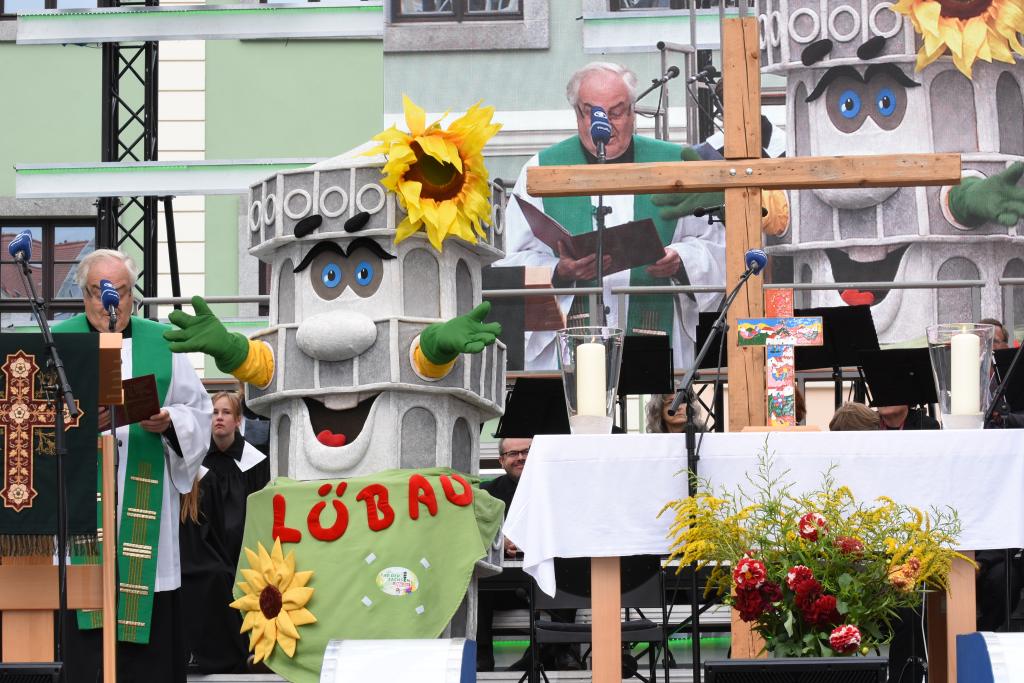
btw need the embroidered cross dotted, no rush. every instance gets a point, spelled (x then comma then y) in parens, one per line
(21, 414)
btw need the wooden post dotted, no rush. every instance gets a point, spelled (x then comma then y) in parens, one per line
(949, 615)
(109, 559)
(606, 614)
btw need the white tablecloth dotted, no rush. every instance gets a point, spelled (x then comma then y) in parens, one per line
(598, 496)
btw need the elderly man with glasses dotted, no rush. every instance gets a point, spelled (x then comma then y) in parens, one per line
(694, 249)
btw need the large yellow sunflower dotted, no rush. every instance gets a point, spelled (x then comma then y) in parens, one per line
(274, 602)
(439, 175)
(971, 29)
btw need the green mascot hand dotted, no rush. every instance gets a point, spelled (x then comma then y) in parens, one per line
(441, 343)
(979, 200)
(205, 333)
(680, 205)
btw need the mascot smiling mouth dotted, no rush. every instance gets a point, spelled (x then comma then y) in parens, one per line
(847, 269)
(335, 428)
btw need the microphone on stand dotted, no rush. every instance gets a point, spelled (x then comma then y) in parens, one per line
(600, 130)
(702, 211)
(110, 300)
(20, 248)
(669, 74)
(755, 260)
(707, 74)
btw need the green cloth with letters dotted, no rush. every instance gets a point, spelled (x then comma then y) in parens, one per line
(403, 581)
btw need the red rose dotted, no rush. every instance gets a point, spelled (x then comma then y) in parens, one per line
(750, 604)
(850, 545)
(771, 591)
(797, 574)
(845, 639)
(810, 524)
(749, 574)
(823, 612)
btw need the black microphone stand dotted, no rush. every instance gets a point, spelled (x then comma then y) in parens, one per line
(685, 393)
(63, 396)
(599, 213)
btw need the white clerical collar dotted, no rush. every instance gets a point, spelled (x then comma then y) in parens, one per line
(251, 456)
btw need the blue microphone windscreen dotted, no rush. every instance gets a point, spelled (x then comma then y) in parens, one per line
(756, 260)
(600, 129)
(21, 244)
(108, 294)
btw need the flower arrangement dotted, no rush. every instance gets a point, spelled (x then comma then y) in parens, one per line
(817, 574)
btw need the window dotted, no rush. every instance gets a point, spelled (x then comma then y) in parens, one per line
(10, 8)
(629, 5)
(57, 247)
(455, 10)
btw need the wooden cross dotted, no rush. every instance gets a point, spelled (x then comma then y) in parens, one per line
(780, 333)
(742, 175)
(22, 413)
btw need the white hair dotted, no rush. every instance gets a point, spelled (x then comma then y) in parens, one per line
(82, 275)
(572, 88)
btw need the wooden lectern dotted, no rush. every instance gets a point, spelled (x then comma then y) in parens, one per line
(29, 585)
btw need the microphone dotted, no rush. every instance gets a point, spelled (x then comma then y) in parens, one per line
(702, 211)
(706, 74)
(756, 260)
(20, 248)
(110, 300)
(600, 130)
(669, 74)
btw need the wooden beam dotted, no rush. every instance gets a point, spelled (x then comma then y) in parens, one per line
(747, 398)
(950, 615)
(34, 586)
(804, 173)
(741, 89)
(606, 619)
(109, 550)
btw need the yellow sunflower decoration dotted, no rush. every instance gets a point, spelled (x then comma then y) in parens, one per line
(439, 175)
(970, 29)
(274, 602)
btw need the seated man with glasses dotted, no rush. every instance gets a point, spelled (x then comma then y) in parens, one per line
(694, 248)
(512, 454)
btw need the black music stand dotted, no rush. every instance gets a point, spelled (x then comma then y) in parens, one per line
(534, 405)
(898, 377)
(1014, 393)
(848, 330)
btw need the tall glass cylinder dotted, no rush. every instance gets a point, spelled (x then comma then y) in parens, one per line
(590, 358)
(961, 355)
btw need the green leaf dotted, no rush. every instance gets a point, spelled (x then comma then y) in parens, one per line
(789, 623)
(844, 581)
(842, 607)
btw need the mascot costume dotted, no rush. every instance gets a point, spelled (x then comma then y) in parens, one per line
(376, 372)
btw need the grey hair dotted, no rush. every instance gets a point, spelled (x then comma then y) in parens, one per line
(82, 274)
(655, 424)
(572, 88)
(995, 322)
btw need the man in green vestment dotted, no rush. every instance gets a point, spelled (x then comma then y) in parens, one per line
(694, 248)
(158, 459)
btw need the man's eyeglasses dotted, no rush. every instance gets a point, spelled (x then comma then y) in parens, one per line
(516, 454)
(616, 113)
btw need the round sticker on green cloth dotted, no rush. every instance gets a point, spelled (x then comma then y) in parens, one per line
(397, 581)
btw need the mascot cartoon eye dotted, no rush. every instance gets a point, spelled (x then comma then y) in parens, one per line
(330, 275)
(849, 104)
(364, 273)
(886, 102)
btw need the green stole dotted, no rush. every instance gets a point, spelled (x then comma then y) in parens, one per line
(143, 492)
(647, 313)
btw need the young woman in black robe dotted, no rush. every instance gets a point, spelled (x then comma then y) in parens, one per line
(213, 519)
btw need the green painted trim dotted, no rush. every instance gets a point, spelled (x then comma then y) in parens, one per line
(75, 16)
(149, 169)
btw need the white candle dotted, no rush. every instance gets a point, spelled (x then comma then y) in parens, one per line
(591, 386)
(965, 374)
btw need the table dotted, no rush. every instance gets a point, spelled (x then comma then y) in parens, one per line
(609, 489)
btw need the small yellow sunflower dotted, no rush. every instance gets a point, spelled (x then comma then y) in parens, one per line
(439, 175)
(274, 602)
(971, 29)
